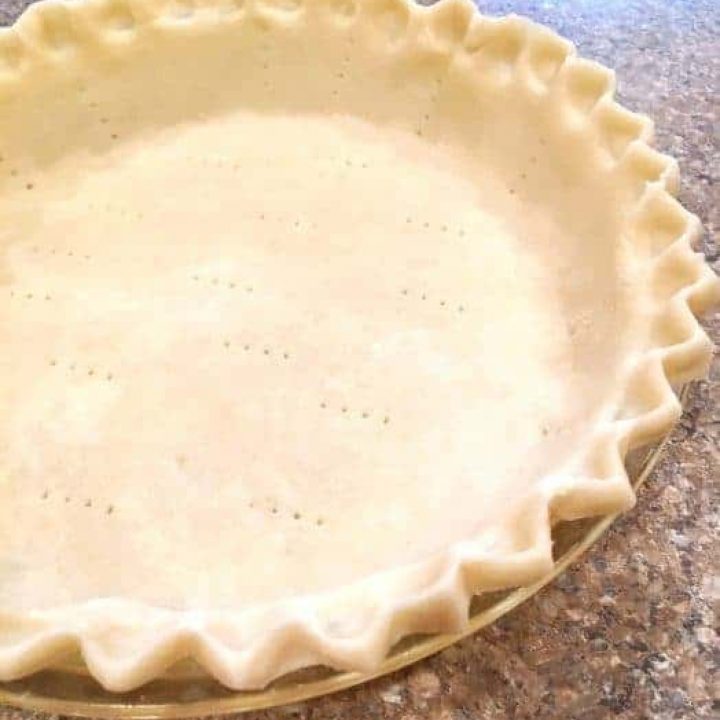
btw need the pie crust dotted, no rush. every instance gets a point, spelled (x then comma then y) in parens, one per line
(316, 315)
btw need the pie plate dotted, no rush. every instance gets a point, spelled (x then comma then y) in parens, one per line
(316, 318)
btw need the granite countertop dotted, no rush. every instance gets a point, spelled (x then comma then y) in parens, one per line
(630, 632)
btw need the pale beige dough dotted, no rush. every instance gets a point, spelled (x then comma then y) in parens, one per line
(313, 317)
(266, 355)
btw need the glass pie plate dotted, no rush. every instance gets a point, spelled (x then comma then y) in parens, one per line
(186, 691)
(145, 329)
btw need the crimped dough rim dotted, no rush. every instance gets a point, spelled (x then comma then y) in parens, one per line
(434, 595)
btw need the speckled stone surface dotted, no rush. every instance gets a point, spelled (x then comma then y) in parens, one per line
(631, 632)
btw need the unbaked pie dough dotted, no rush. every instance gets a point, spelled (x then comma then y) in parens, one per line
(314, 316)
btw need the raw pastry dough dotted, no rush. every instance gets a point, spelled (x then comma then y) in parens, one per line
(313, 315)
